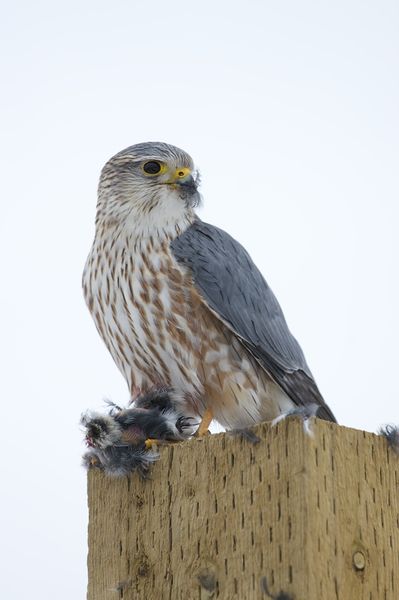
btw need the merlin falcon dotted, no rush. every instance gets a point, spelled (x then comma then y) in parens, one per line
(180, 304)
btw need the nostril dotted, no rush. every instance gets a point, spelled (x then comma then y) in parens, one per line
(181, 173)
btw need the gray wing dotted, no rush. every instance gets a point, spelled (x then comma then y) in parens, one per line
(235, 290)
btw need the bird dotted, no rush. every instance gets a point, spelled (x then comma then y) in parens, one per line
(180, 303)
(124, 440)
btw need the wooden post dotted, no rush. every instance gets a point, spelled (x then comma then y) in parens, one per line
(314, 517)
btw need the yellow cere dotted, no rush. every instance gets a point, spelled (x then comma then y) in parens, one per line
(182, 172)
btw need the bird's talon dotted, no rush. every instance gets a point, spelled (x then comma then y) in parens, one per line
(200, 435)
(151, 443)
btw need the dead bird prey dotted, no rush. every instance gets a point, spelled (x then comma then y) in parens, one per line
(122, 440)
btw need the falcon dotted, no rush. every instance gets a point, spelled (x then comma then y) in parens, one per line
(180, 304)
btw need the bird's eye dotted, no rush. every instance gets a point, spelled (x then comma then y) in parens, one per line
(152, 167)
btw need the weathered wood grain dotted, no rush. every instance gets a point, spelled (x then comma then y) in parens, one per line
(318, 517)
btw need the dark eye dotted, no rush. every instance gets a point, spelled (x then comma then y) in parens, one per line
(152, 167)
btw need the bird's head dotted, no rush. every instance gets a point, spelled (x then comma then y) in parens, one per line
(101, 431)
(148, 186)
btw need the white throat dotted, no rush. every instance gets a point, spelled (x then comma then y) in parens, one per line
(164, 214)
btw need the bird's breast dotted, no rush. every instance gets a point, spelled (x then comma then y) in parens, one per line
(146, 310)
(160, 333)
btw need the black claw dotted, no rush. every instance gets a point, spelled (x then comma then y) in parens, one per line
(183, 423)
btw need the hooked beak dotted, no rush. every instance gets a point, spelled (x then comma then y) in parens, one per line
(182, 179)
(182, 176)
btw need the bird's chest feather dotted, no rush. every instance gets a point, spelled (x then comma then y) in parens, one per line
(148, 313)
(159, 332)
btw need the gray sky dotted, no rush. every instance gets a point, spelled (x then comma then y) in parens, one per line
(290, 110)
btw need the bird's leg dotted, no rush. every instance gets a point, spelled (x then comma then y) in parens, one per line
(205, 422)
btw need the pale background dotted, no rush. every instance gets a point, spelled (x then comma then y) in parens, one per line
(290, 110)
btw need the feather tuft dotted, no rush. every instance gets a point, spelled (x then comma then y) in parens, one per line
(391, 433)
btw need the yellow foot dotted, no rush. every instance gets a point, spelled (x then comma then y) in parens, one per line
(150, 443)
(206, 421)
